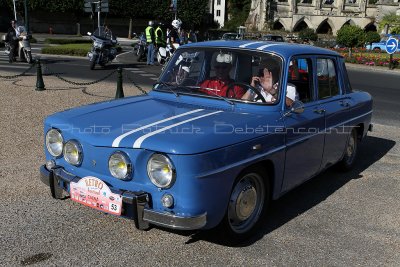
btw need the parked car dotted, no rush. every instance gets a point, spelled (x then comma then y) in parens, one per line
(186, 156)
(381, 46)
(272, 37)
(230, 36)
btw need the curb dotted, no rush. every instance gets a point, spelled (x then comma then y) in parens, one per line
(385, 70)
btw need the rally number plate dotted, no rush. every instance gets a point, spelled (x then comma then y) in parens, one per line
(93, 192)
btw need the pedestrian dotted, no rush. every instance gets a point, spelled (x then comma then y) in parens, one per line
(192, 38)
(12, 38)
(151, 43)
(183, 36)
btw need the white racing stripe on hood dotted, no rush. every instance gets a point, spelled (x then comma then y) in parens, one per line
(119, 138)
(265, 46)
(248, 44)
(140, 140)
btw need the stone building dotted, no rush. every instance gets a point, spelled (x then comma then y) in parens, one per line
(323, 16)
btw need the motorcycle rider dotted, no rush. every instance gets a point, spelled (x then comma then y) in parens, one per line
(12, 38)
(174, 34)
(151, 43)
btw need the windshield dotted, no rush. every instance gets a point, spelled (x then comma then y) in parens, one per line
(223, 73)
(103, 32)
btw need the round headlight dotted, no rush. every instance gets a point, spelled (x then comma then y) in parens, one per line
(54, 142)
(161, 171)
(120, 166)
(73, 152)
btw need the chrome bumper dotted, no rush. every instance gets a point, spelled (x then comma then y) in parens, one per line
(135, 205)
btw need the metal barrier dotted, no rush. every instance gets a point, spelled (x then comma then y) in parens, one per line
(41, 87)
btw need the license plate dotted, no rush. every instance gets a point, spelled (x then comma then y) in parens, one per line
(93, 192)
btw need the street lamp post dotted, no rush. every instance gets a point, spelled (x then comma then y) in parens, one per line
(26, 15)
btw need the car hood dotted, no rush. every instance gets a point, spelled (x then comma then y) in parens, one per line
(159, 125)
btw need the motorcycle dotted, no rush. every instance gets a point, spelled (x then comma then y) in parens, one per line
(24, 50)
(103, 49)
(164, 54)
(140, 49)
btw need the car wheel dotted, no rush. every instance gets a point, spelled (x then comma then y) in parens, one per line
(350, 152)
(247, 205)
(377, 49)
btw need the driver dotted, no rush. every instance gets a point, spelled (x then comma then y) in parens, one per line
(221, 84)
(267, 83)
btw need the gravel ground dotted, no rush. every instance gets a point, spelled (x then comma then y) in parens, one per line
(336, 219)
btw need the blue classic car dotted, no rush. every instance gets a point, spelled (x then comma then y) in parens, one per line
(228, 127)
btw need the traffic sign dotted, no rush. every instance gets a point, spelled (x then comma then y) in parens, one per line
(391, 45)
(88, 6)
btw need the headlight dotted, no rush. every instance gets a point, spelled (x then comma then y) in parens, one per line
(120, 166)
(73, 152)
(161, 171)
(54, 142)
(98, 44)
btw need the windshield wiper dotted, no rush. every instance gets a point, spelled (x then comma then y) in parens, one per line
(167, 86)
(214, 93)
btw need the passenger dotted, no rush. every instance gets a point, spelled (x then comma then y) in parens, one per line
(221, 84)
(267, 81)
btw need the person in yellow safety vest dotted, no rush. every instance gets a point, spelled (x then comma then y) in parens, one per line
(151, 43)
(160, 38)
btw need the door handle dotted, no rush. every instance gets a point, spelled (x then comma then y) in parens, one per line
(344, 103)
(319, 110)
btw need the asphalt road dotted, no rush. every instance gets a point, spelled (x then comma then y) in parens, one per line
(335, 219)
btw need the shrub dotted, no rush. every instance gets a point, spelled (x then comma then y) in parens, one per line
(66, 41)
(372, 37)
(68, 49)
(308, 34)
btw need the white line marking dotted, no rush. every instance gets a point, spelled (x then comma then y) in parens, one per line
(119, 138)
(137, 71)
(131, 68)
(148, 75)
(248, 44)
(140, 140)
(154, 79)
(265, 46)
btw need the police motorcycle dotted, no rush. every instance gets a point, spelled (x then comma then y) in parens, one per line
(140, 49)
(164, 54)
(103, 49)
(24, 50)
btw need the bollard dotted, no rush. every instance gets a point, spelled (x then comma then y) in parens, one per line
(120, 90)
(39, 77)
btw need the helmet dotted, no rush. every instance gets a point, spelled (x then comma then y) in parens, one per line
(151, 23)
(176, 23)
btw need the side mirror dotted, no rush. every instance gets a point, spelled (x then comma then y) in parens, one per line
(89, 33)
(296, 107)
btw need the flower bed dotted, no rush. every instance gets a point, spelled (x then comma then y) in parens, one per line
(367, 57)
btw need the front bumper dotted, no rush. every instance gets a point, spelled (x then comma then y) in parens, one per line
(135, 205)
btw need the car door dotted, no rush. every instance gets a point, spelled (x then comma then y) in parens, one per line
(304, 131)
(336, 104)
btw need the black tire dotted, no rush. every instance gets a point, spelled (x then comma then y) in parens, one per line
(350, 152)
(247, 206)
(29, 57)
(139, 54)
(93, 62)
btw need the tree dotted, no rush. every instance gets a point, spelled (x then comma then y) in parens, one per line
(372, 37)
(392, 20)
(350, 36)
(308, 34)
(239, 11)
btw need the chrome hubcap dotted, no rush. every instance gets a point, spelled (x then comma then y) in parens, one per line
(246, 203)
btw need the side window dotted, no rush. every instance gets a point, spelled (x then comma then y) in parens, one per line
(300, 76)
(326, 78)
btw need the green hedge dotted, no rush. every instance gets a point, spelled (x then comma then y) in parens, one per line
(71, 49)
(66, 41)
(68, 49)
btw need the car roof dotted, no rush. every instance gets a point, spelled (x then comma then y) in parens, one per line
(280, 48)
